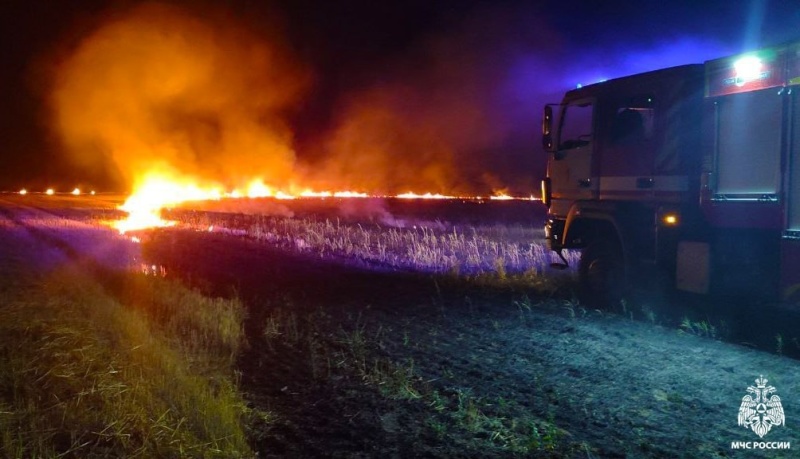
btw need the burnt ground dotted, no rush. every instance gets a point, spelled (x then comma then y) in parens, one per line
(353, 362)
(453, 368)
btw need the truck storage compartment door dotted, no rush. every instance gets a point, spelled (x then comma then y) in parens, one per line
(790, 245)
(748, 146)
(793, 176)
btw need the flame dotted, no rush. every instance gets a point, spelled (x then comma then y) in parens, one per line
(23, 191)
(332, 194)
(349, 194)
(76, 192)
(159, 190)
(412, 195)
(50, 192)
(155, 192)
(257, 189)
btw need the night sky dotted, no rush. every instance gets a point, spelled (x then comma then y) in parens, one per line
(503, 59)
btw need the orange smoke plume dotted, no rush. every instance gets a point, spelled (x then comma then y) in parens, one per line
(158, 89)
(381, 146)
(429, 119)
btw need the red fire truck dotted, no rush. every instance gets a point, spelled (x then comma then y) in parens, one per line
(688, 174)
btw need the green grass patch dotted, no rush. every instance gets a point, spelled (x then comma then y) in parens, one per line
(145, 373)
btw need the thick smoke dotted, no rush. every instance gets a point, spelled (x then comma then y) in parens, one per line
(385, 143)
(157, 88)
(439, 117)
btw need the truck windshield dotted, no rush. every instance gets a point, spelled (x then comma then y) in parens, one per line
(576, 126)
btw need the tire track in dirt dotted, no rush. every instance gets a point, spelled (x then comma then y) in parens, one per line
(24, 252)
(96, 248)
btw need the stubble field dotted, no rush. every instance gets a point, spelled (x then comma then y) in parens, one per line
(353, 328)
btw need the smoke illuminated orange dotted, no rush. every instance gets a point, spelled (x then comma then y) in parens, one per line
(179, 105)
(172, 99)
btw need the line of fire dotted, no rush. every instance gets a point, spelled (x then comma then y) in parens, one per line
(688, 176)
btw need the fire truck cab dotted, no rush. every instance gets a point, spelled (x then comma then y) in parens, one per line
(689, 175)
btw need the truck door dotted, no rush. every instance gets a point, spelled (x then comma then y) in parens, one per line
(570, 168)
(626, 170)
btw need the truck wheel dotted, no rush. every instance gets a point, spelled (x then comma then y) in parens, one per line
(602, 273)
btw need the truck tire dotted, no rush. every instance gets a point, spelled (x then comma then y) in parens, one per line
(602, 273)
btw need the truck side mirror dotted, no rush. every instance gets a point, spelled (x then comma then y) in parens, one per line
(547, 128)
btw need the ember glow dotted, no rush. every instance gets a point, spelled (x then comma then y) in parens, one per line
(160, 191)
(412, 195)
(333, 194)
